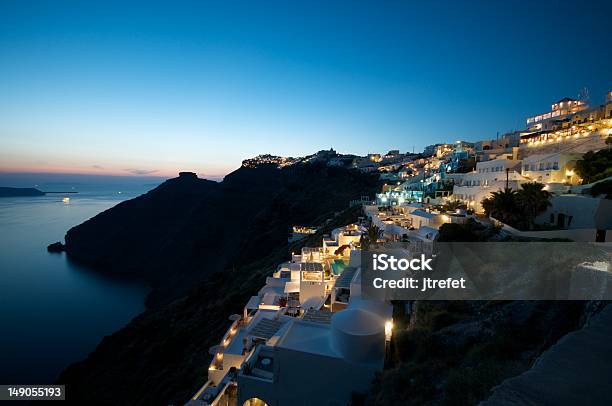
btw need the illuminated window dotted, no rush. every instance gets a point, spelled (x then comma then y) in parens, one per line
(311, 276)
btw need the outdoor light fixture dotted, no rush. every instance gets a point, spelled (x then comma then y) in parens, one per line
(388, 329)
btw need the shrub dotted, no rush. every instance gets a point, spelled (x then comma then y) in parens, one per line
(602, 188)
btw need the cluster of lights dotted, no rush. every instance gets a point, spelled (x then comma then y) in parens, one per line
(558, 136)
(280, 161)
(572, 106)
(304, 230)
(219, 356)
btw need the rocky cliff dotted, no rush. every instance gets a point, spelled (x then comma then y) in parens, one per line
(187, 228)
(206, 248)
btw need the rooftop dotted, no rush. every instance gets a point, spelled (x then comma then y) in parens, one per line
(344, 280)
(266, 328)
(318, 316)
(312, 266)
(424, 214)
(308, 337)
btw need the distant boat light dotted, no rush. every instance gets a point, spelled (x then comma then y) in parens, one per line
(66, 200)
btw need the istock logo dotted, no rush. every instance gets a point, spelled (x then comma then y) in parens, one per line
(383, 262)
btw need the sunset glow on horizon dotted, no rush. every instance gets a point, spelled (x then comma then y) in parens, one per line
(83, 169)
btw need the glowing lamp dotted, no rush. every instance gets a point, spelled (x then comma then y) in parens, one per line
(388, 329)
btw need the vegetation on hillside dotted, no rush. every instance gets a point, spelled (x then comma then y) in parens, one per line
(453, 205)
(471, 231)
(518, 208)
(595, 166)
(371, 237)
(453, 352)
(602, 188)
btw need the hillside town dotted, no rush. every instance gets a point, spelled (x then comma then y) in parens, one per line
(463, 174)
(309, 324)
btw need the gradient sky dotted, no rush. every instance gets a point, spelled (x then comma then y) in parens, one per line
(154, 88)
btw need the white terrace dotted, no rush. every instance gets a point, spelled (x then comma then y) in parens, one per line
(295, 312)
(413, 222)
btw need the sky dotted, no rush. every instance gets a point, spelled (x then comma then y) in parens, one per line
(149, 89)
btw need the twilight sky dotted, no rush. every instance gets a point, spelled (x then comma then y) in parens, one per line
(152, 88)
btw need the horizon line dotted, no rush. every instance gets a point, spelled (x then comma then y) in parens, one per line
(112, 174)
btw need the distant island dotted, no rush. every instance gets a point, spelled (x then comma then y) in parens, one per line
(27, 191)
(20, 191)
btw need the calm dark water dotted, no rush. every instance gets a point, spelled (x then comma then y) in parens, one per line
(52, 312)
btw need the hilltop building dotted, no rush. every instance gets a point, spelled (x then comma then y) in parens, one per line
(559, 112)
(489, 149)
(571, 124)
(267, 159)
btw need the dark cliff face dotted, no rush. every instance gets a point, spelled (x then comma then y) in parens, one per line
(187, 228)
(161, 357)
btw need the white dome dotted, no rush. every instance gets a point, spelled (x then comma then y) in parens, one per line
(380, 308)
(357, 322)
(358, 335)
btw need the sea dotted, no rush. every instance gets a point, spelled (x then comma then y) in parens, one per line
(52, 311)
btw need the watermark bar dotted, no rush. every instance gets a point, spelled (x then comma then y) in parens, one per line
(488, 271)
(32, 392)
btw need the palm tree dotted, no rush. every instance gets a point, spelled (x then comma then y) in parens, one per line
(371, 237)
(502, 205)
(532, 200)
(453, 205)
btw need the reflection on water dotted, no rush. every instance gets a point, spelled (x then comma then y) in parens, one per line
(54, 312)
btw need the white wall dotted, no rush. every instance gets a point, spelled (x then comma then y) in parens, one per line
(586, 212)
(310, 289)
(489, 176)
(541, 167)
(578, 235)
(308, 379)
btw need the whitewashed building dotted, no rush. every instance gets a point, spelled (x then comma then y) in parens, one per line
(551, 168)
(489, 176)
(301, 333)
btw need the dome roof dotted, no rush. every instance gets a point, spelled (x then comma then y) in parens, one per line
(358, 322)
(358, 335)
